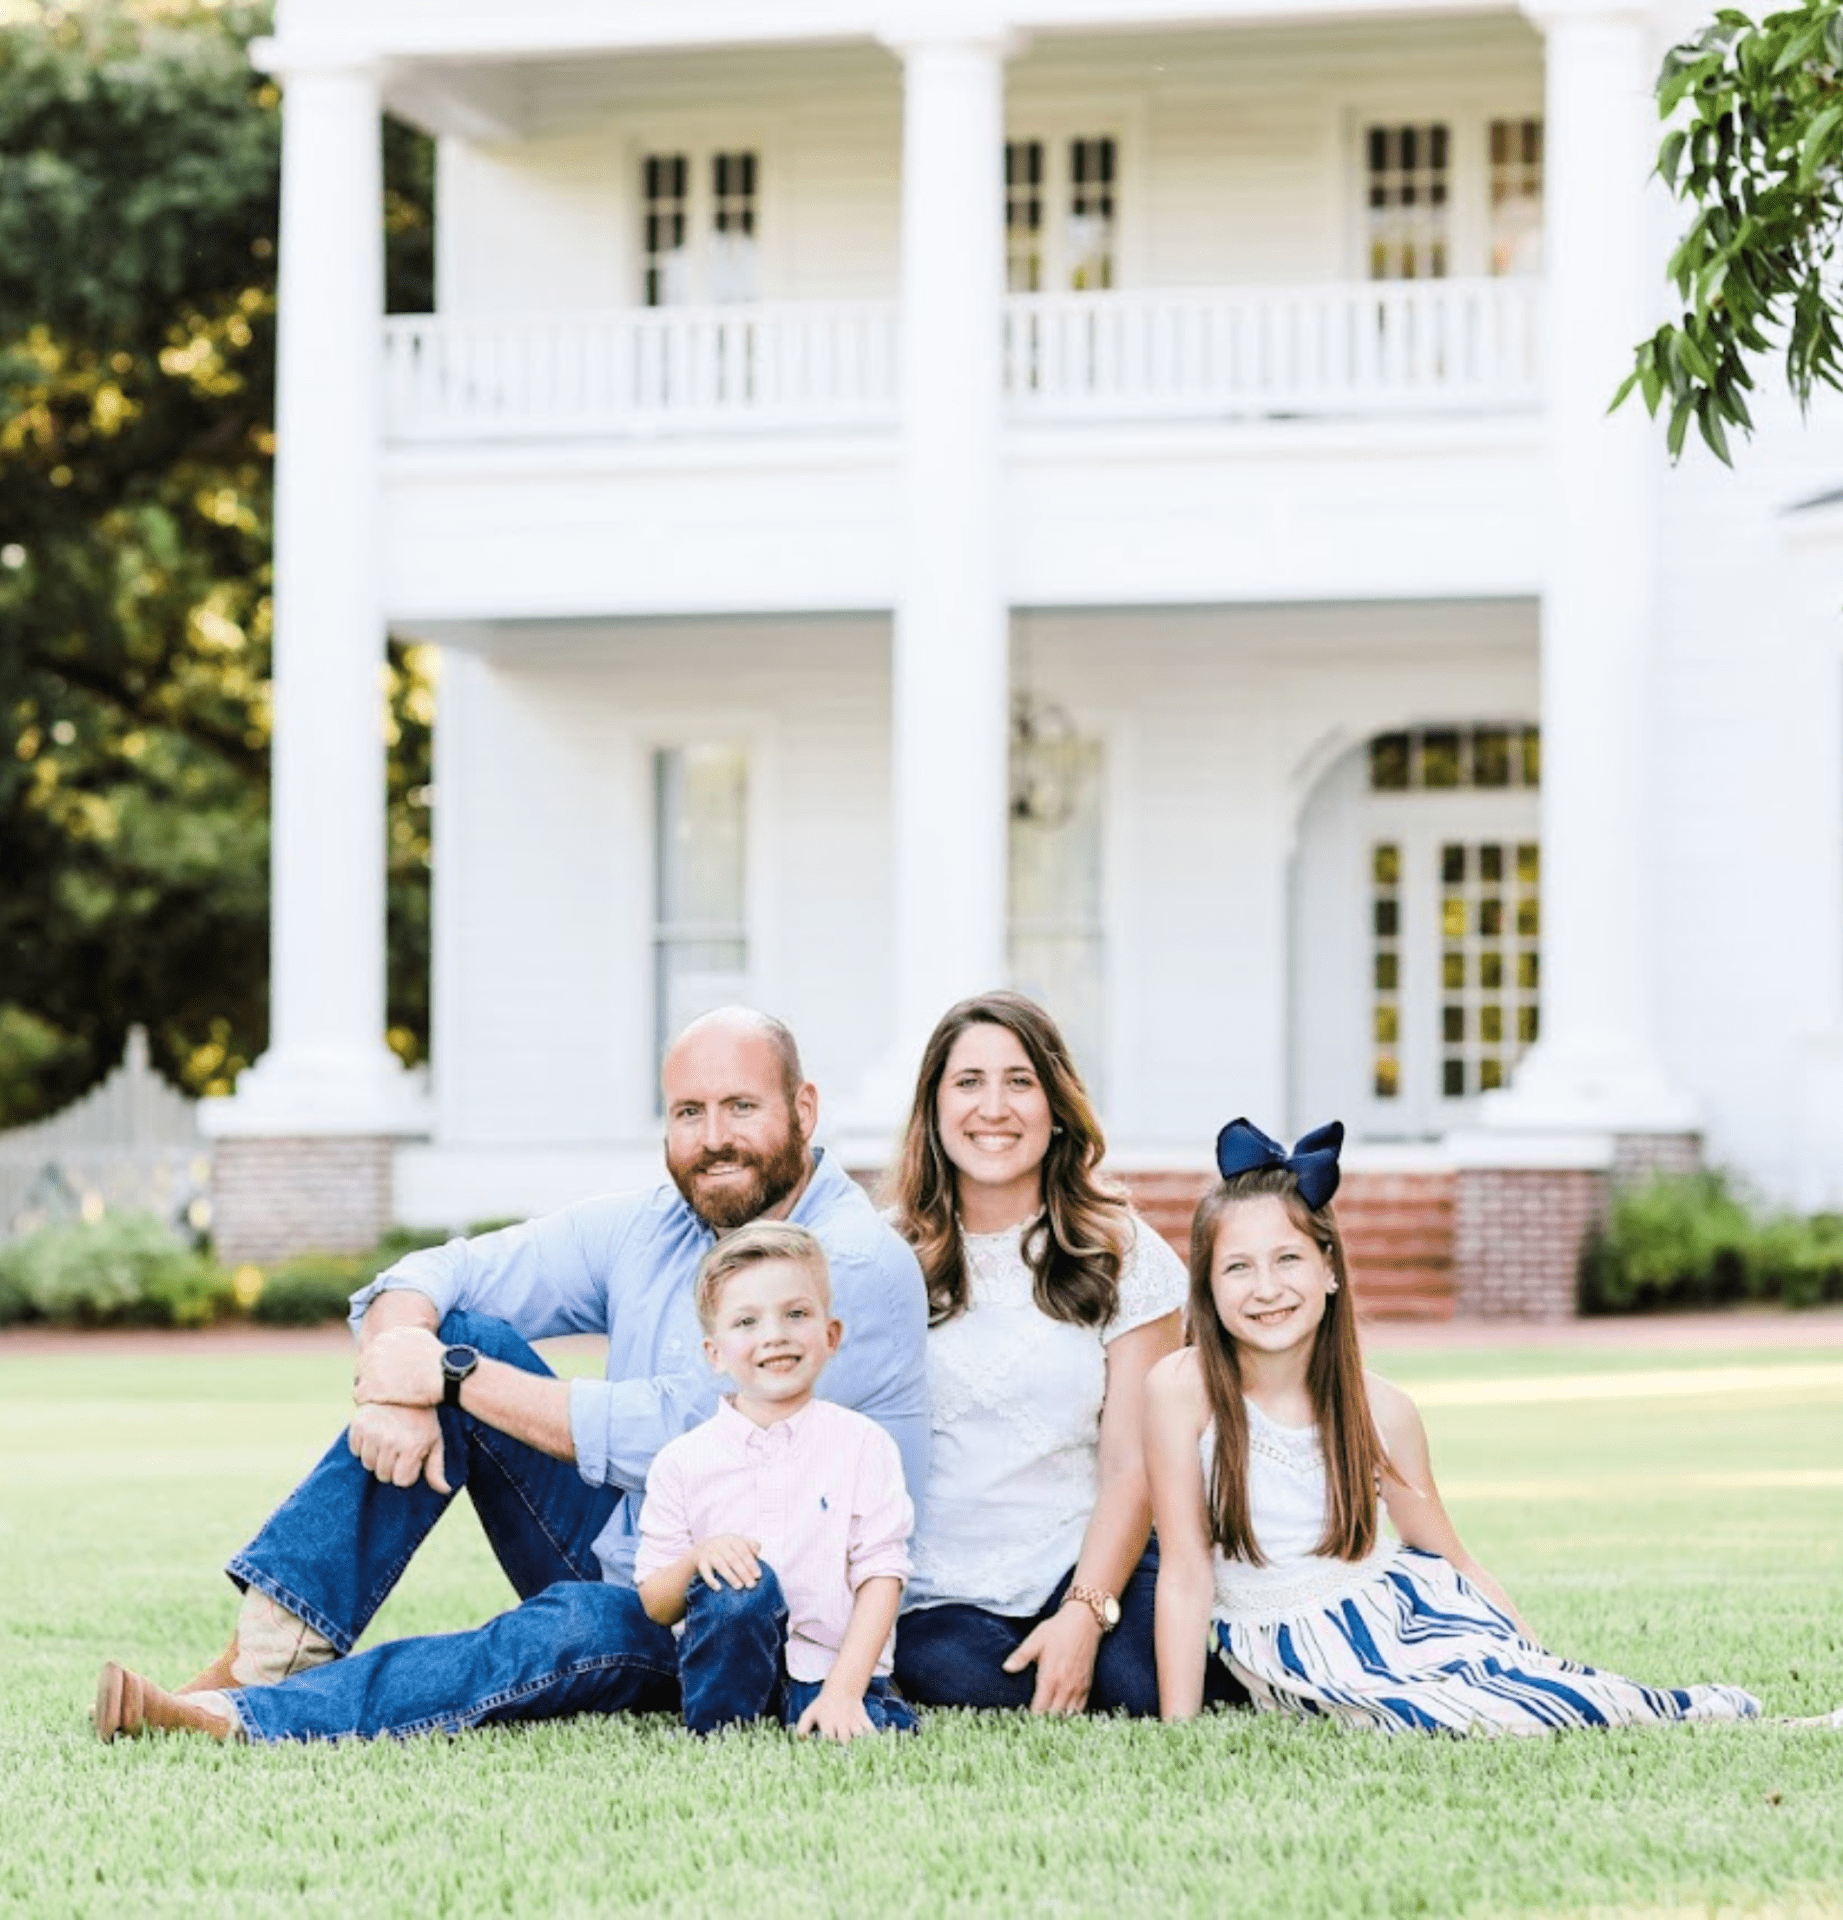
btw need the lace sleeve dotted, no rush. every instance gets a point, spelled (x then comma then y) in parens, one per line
(1153, 1282)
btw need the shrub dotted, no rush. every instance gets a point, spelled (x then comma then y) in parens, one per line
(1799, 1260)
(124, 1269)
(316, 1287)
(309, 1289)
(1679, 1240)
(15, 1302)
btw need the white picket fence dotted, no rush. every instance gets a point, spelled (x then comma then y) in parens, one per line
(130, 1145)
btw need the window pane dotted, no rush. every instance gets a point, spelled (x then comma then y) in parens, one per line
(1024, 216)
(1388, 762)
(734, 255)
(664, 262)
(1516, 196)
(1406, 193)
(1091, 214)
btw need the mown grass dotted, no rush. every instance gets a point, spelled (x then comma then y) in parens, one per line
(1692, 1534)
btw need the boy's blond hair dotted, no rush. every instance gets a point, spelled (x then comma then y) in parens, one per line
(750, 1246)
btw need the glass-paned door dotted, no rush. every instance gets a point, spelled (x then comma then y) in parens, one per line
(1062, 214)
(700, 228)
(1417, 965)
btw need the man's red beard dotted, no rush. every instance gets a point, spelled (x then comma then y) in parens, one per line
(731, 1203)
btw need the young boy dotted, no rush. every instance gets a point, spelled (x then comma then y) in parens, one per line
(778, 1530)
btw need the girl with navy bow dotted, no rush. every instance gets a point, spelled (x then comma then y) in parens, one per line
(1275, 1461)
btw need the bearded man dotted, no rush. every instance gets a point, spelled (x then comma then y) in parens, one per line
(450, 1395)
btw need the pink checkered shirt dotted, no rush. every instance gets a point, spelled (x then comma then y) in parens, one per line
(822, 1492)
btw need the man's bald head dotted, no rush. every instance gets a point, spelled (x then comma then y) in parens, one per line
(729, 1023)
(739, 1117)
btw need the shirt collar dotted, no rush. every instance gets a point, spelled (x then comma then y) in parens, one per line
(744, 1436)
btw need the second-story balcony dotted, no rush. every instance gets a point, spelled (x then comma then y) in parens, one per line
(1339, 350)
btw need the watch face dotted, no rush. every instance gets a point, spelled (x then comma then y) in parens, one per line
(1110, 1607)
(458, 1362)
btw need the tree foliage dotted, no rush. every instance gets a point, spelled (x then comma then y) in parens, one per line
(1755, 145)
(139, 166)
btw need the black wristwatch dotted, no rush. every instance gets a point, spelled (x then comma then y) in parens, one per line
(457, 1364)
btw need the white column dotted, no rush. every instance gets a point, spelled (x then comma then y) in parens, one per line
(327, 1068)
(949, 697)
(1598, 1062)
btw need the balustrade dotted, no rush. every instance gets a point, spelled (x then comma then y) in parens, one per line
(1341, 349)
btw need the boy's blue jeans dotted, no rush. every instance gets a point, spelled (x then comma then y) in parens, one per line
(732, 1668)
(334, 1549)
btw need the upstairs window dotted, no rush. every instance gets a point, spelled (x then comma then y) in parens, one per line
(1516, 196)
(1061, 213)
(700, 217)
(1408, 200)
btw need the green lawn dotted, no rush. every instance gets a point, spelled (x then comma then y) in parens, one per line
(1689, 1529)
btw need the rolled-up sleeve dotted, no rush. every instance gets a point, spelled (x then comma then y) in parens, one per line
(883, 1515)
(619, 1425)
(543, 1278)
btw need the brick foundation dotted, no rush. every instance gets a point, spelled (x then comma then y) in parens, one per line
(1397, 1227)
(1637, 1156)
(1517, 1239)
(274, 1197)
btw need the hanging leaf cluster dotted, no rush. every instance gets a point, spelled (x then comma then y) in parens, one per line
(1755, 146)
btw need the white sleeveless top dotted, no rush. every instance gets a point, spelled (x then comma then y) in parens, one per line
(1286, 1506)
(1016, 1415)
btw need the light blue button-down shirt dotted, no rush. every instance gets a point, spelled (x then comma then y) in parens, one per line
(624, 1266)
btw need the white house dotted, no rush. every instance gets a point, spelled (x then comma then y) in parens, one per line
(1111, 495)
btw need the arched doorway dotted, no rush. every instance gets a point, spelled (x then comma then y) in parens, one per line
(1417, 928)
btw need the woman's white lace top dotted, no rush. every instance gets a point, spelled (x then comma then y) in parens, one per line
(1286, 1506)
(1016, 1402)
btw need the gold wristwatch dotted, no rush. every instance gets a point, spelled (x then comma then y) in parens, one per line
(1104, 1607)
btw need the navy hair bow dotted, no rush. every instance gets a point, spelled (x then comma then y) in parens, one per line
(1241, 1147)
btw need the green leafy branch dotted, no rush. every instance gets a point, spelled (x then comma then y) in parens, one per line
(1754, 146)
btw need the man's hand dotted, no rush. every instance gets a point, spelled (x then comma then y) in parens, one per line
(839, 1717)
(399, 1445)
(1063, 1648)
(401, 1368)
(728, 1557)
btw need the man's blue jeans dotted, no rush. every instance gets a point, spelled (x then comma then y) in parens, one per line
(732, 1666)
(334, 1549)
(954, 1655)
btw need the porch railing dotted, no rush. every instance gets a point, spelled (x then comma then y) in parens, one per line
(1338, 349)
(1350, 348)
(640, 371)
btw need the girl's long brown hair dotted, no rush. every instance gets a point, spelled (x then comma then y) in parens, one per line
(1074, 1249)
(1354, 1455)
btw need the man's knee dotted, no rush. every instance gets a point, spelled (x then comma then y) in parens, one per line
(495, 1338)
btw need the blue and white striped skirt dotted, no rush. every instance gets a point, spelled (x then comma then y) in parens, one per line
(1415, 1647)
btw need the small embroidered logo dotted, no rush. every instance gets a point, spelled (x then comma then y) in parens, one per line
(823, 1508)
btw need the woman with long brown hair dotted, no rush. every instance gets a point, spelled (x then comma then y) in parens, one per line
(1270, 1450)
(1048, 1305)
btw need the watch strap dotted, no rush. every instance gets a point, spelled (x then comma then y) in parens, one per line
(1104, 1607)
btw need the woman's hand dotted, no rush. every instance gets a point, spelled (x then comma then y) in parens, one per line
(1064, 1649)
